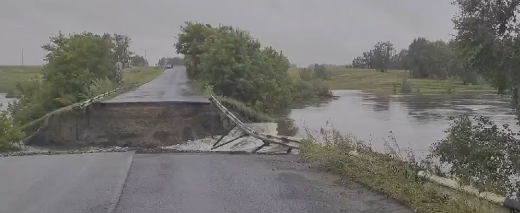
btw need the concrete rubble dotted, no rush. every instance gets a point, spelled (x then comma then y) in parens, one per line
(245, 144)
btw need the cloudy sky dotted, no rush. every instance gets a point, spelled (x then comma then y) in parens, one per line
(308, 31)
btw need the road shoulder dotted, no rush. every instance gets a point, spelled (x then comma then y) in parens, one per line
(353, 195)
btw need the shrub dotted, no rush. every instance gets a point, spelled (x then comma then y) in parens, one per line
(449, 88)
(406, 87)
(10, 133)
(480, 153)
(306, 74)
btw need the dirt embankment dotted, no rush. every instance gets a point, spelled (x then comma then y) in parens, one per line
(150, 124)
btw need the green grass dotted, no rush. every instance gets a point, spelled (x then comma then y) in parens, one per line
(9, 75)
(369, 80)
(388, 174)
(141, 75)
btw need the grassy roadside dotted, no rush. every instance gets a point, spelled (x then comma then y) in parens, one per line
(388, 174)
(377, 82)
(136, 76)
(9, 75)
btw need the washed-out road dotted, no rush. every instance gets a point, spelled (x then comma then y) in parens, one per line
(180, 183)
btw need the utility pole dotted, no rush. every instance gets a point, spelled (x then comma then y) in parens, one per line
(146, 59)
(22, 57)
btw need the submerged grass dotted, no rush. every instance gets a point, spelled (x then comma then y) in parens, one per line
(370, 80)
(390, 174)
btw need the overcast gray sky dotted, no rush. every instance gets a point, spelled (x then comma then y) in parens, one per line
(308, 31)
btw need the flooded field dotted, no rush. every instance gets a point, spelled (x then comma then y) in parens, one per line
(4, 101)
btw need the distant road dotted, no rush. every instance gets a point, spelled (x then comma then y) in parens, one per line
(183, 183)
(171, 85)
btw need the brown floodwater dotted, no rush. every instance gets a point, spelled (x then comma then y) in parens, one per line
(416, 121)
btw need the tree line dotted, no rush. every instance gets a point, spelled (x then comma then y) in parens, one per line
(169, 60)
(423, 59)
(234, 64)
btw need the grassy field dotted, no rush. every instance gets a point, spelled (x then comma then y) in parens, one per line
(9, 75)
(371, 81)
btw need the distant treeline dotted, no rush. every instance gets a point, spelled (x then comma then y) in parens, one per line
(173, 61)
(423, 58)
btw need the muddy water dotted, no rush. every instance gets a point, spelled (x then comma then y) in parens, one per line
(415, 121)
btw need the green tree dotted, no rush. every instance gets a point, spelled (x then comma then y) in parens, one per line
(432, 59)
(400, 60)
(138, 61)
(122, 51)
(358, 62)
(173, 61)
(487, 34)
(191, 45)
(236, 65)
(162, 62)
(379, 58)
(320, 71)
(382, 56)
(420, 58)
(74, 64)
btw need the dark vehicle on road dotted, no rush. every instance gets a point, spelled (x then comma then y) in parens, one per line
(169, 66)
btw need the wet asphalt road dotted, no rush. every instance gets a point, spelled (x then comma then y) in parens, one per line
(171, 85)
(183, 183)
(62, 184)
